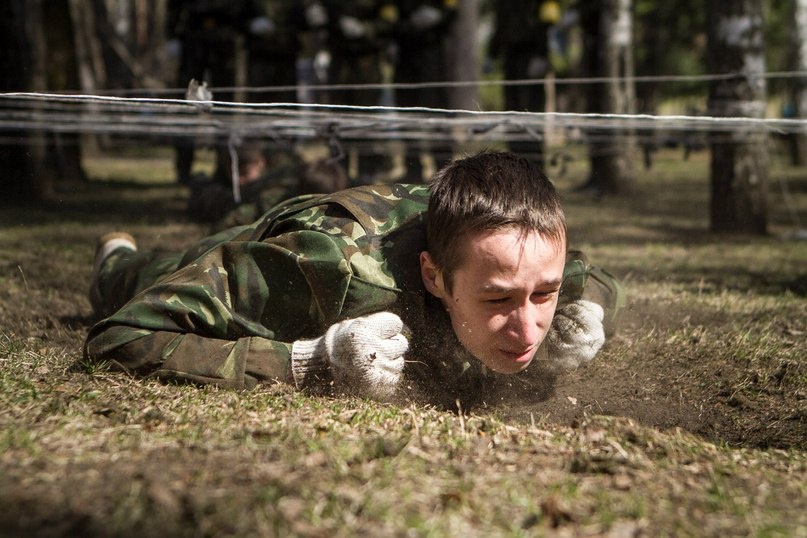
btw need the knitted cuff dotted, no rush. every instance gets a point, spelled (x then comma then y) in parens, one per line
(309, 366)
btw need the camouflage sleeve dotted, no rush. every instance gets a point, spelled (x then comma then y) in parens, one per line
(188, 357)
(238, 301)
(209, 322)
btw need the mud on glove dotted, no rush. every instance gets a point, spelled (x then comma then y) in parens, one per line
(576, 335)
(364, 354)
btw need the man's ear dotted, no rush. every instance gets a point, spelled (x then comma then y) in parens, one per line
(432, 276)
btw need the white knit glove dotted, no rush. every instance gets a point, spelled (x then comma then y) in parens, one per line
(576, 335)
(364, 354)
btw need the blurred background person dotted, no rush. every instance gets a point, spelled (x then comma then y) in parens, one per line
(359, 35)
(274, 45)
(204, 34)
(520, 40)
(261, 187)
(421, 33)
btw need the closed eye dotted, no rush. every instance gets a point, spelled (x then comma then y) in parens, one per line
(542, 296)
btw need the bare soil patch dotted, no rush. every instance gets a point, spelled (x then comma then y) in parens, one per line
(693, 419)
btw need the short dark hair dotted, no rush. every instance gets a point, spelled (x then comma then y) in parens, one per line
(488, 191)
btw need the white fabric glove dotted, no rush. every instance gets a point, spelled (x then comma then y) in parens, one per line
(364, 354)
(351, 27)
(425, 17)
(198, 91)
(576, 335)
(261, 26)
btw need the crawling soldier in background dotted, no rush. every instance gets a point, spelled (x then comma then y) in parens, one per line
(261, 188)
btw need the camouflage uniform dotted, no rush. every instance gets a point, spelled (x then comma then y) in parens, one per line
(213, 202)
(228, 311)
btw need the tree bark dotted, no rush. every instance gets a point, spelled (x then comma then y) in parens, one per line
(800, 97)
(63, 157)
(17, 182)
(609, 43)
(739, 165)
(464, 55)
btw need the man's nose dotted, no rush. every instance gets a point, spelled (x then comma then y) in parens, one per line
(524, 324)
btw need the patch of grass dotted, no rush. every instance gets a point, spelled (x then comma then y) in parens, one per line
(692, 421)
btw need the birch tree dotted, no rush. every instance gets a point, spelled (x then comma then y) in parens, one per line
(609, 55)
(739, 157)
(800, 38)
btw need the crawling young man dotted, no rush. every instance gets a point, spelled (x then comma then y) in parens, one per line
(431, 290)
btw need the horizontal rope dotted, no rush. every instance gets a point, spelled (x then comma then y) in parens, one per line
(20, 111)
(557, 81)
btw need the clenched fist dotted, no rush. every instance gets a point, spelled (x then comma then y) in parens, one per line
(364, 354)
(576, 335)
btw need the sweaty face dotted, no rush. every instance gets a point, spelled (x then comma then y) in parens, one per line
(503, 295)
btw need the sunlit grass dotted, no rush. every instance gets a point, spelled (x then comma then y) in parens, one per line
(88, 451)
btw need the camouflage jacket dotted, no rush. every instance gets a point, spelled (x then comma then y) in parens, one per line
(231, 311)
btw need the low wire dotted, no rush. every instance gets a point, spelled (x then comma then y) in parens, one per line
(178, 117)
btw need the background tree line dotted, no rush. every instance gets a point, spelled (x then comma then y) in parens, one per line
(100, 45)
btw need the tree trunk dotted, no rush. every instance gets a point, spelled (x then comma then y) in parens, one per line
(17, 179)
(609, 42)
(63, 159)
(739, 166)
(800, 97)
(464, 55)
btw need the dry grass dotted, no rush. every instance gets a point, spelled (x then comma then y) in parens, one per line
(693, 421)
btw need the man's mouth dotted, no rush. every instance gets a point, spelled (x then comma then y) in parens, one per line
(520, 356)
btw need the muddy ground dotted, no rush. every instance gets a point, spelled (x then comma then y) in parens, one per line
(671, 364)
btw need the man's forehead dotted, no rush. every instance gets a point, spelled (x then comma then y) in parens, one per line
(508, 251)
(473, 238)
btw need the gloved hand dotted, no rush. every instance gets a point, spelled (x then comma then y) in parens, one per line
(199, 92)
(261, 26)
(351, 27)
(364, 354)
(576, 335)
(425, 17)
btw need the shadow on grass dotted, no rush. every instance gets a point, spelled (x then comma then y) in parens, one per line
(102, 202)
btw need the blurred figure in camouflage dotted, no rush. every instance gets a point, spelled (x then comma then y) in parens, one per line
(520, 39)
(204, 34)
(261, 188)
(420, 37)
(358, 38)
(383, 291)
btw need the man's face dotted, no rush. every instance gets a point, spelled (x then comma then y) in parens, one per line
(251, 171)
(503, 295)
